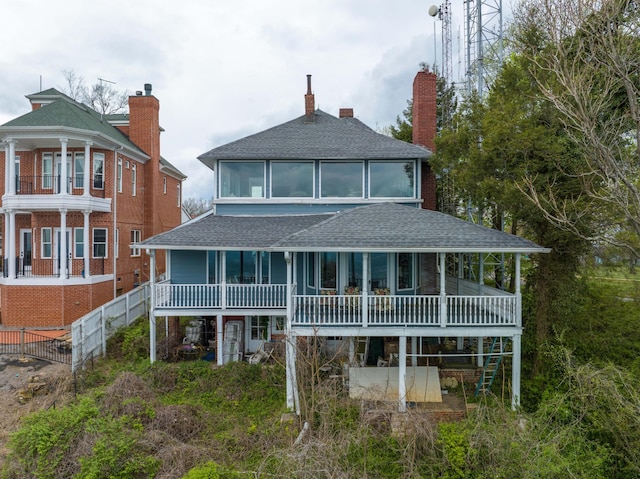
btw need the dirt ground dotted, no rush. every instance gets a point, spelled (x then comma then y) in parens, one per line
(52, 380)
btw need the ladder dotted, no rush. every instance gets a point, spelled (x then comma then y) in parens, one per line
(361, 350)
(491, 365)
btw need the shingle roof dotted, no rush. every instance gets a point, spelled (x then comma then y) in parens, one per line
(377, 227)
(327, 137)
(65, 112)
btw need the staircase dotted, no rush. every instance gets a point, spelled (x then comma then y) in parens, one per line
(491, 365)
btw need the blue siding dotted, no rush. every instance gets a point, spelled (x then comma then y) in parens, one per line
(188, 267)
(257, 209)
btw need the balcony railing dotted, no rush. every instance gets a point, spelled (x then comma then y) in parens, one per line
(51, 184)
(50, 267)
(345, 310)
(214, 296)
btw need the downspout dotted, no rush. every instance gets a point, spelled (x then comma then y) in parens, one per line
(115, 216)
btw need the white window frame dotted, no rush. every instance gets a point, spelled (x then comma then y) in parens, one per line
(134, 179)
(98, 159)
(117, 243)
(47, 170)
(17, 178)
(136, 237)
(178, 196)
(119, 175)
(44, 242)
(164, 185)
(78, 241)
(78, 164)
(94, 243)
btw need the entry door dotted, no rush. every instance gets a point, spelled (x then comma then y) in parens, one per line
(26, 245)
(57, 261)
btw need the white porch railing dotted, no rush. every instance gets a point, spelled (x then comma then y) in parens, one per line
(395, 310)
(218, 296)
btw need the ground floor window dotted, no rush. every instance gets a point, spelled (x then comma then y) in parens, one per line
(259, 327)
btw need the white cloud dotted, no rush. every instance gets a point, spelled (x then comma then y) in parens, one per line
(221, 69)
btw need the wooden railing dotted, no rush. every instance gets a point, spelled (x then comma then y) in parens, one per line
(344, 310)
(214, 296)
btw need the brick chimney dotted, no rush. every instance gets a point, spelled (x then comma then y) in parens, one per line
(346, 112)
(309, 102)
(424, 130)
(144, 123)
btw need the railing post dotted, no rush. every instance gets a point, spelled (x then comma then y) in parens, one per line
(22, 344)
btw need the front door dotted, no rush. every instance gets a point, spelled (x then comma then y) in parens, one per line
(25, 250)
(59, 262)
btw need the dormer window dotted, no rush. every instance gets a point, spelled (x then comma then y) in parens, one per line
(242, 179)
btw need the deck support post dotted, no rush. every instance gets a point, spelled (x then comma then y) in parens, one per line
(402, 374)
(152, 309)
(515, 371)
(293, 401)
(219, 336)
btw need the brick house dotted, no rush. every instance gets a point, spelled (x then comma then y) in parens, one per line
(323, 228)
(78, 188)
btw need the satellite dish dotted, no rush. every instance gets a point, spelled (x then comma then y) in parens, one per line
(433, 10)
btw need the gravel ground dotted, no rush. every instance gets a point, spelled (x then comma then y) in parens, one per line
(15, 374)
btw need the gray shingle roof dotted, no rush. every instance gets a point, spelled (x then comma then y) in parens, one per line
(65, 112)
(377, 227)
(327, 137)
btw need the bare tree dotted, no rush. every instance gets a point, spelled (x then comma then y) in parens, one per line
(588, 70)
(196, 206)
(100, 96)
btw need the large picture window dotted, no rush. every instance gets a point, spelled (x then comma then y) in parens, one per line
(341, 179)
(244, 179)
(292, 179)
(390, 179)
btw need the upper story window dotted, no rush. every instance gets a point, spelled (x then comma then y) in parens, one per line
(164, 185)
(342, 179)
(78, 166)
(391, 179)
(242, 179)
(178, 196)
(119, 175)
(136, 236)
(47, 171)
(134, 180)
(98, 171)
(292, 179)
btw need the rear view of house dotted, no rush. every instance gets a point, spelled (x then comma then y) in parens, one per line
(78, 188)
(323, 228)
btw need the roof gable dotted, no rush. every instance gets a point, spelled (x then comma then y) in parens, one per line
(327, 137)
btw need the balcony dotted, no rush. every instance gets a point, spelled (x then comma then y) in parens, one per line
(51, 185)
(490, 308)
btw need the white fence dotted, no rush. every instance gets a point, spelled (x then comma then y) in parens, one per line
(89, 334)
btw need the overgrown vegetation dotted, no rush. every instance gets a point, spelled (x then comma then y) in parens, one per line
(195, 420)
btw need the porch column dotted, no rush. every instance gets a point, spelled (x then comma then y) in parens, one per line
(402, 374)
(443, 292)
(223, 282)
(480, 359)
(11, 239)
(6, 168)
(518, 292)
(515, 370)
(63, 244)
(87, 169)
(152, 310)
(364, 304)
(63, 167)
(85, 241)
(12, 167)
(219, 340)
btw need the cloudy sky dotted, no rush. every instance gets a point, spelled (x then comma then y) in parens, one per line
(223, 69)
